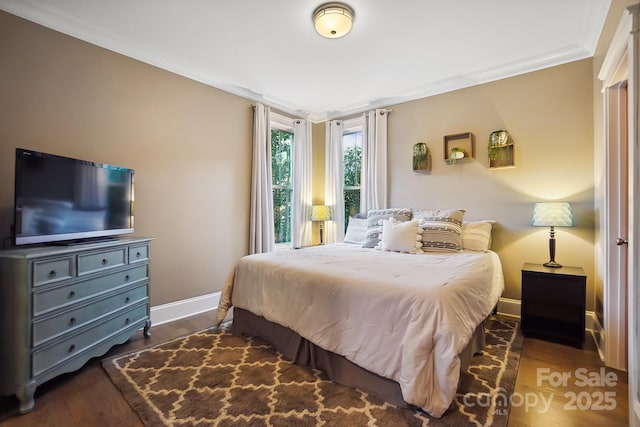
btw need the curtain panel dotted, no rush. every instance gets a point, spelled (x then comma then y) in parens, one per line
(373, 181)
(301, 226)
(334, 182)
(261, 229)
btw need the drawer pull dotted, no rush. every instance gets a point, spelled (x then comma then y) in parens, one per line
(126, 300)
(72, 348)
(105, 261)
(72, 294)
(72, 321)
(138, 254)
(126, 321)
(52, 274)
(126, 278)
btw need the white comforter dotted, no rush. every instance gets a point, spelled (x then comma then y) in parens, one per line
(404, 317)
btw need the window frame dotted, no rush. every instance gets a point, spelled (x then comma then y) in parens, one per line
(286, 124)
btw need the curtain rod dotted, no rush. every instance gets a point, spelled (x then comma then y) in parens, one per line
(280, 112)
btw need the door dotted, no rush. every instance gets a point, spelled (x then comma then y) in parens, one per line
(615, 219)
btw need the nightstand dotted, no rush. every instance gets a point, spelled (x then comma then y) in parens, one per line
(553, 303)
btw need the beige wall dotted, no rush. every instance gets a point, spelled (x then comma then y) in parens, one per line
(318, 130)
(190, 145)
(549, 115)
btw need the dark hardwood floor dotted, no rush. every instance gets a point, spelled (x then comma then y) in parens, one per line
(88, 398)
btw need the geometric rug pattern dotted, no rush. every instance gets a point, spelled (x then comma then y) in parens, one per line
(214, 378)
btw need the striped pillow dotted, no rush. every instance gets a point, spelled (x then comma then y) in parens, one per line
(374, 223)
(441, 229)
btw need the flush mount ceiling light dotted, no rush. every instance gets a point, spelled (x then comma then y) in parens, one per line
(333, 20)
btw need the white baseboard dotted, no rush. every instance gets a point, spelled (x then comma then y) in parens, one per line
(511, 307)
(184, 308)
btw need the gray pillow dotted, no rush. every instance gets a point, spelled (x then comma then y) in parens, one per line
(441, 229)
(374, 223)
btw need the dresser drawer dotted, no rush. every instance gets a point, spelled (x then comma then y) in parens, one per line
(74, 319)
(55, 298)
(51, 271)
(138, 253)
(100, 261)
(50, 356)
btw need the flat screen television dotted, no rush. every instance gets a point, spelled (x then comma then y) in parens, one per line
(65, 200)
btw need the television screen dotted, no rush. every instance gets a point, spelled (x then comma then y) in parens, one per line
(60, 199)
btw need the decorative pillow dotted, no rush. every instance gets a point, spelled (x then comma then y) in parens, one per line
(400, 236)
(356, 231)
(476, 235)
(441, 229)
(374, 223)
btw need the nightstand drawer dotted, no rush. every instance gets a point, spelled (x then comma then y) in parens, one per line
(101, 261)
(560, 290)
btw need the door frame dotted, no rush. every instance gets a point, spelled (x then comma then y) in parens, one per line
(615, 75)
(624, 51)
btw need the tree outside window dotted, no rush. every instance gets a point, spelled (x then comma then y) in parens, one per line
(352, 157)
(281, 169)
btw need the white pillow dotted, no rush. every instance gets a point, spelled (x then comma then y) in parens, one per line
(356, 231)
(476, 236)
(400, 236)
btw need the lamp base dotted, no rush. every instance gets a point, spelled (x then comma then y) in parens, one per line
(552, 264)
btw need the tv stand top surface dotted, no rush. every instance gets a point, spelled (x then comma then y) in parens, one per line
(28, 251)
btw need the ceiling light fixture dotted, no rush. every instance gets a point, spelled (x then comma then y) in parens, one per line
(333, 20)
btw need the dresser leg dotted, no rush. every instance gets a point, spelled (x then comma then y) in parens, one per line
(147, 329)
(25, 395)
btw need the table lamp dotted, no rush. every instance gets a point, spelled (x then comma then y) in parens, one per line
(552, 214)
(321, 213)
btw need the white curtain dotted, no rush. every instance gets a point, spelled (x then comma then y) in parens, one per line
(334, 182)
(301, 226)
(261, 233)
(373, 181)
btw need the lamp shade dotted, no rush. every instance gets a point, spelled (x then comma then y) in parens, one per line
(320, 213)
(552, 214)
(333, 20)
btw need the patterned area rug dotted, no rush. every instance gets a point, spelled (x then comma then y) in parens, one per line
(216, 378)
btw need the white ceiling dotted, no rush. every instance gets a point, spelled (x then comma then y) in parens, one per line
(268, 50)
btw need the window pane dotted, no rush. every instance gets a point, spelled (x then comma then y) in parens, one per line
(282, 214)
(281, 157)
(281, 142)
(352, 145)
(351, 203)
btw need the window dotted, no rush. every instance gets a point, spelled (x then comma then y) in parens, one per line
(282, 179)
(352, 158)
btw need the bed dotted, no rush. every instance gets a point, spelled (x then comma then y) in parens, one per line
(399, 325)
